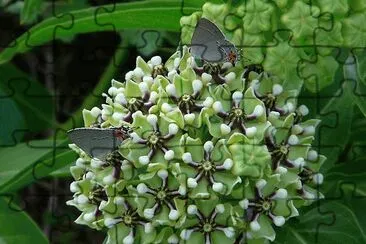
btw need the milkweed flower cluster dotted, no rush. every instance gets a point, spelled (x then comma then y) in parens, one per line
(216, 154)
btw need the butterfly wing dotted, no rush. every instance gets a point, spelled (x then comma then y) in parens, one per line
(205, 39)
(229, 50)
(96, 142)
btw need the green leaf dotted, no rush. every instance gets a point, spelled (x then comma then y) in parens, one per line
(301, 20)
(11, 121)
(159, 15)
(330, 222)
(30, 11)
(17, 226)
(319, 74)
(344, 177)
(335, 116)
(354, 33)
(282, 60)
(63, 172)
(336, 7)
(30, 96)
(257, 16)
(27, 162)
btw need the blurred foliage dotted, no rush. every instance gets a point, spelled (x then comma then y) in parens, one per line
(334, 90)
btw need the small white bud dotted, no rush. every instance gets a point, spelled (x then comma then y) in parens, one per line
(255, 84)
(281, 170)
(225, 129)
(107, 109)
(176, 62)
(217, 186)
(197, 85)
(192, 209)
(189, 118)
(208, 146)
(173, 129)
(117, 116)
(143, 87)
(152, 119)
(82, 199)
(109, 179)
(220, 208)
(170, 89)
(309, 130)
(280, 194)
(96, 163)
(229, 77)
(137, 114)
(171, 74)
(244, 203)
(112, 91)
(228, 164)
(144, 160)
(278, 220)
(128, 75)
(89, 217)
(208, 102)
(229, 232)
(135, 137)
(185, 234)
(138, 72)
(187, 157)
(156, 60)
(95, 112)
(166, 108)
(173, 239)
(226, 65)
(293, 140)
(258, 111)
(303, 110)
(191, 183)
(74, 187)
(142, 188)
(297, 129)
(299, 162)
(102, 205)
(289, 107)
(274, 115)
(120, 98)
(250, 132)
(318, 179)
(298, 185)
(312, 155)
(277, 89)
(182, 190)
(206, 78)
(128, 239)
(254, 225)
(148, 228)
(173, 214)
(109, 222)
(237, 96)
(80, 163)
(217, 107)
(169, 155)
(163, 174)
(149, 213)
(153, 96)
(118, 200)
(148, 80)
(260, 184)
(89, 176)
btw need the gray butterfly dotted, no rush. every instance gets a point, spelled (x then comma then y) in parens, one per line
(209, 44)
(98, 142)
